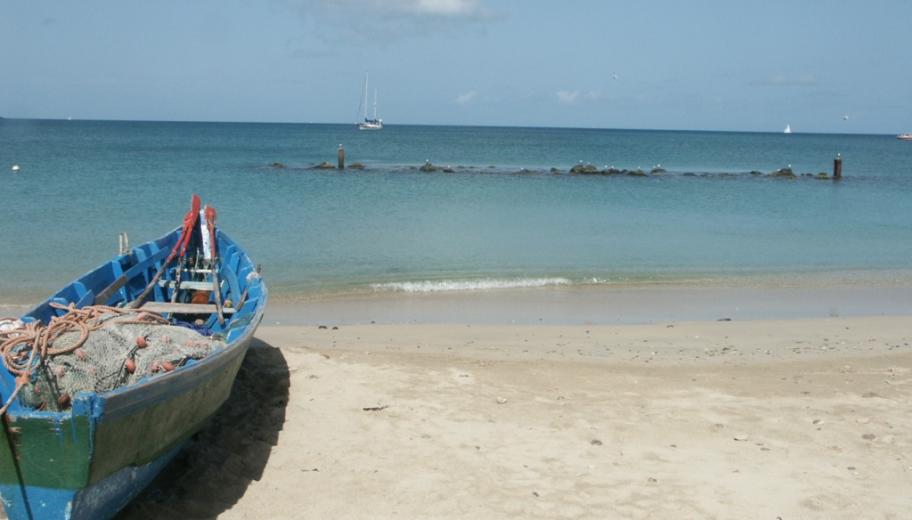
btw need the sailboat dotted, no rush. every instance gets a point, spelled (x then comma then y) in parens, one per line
(374, 123)
(788, 129)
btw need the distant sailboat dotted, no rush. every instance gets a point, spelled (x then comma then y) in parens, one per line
(788, 129)
(374, 123)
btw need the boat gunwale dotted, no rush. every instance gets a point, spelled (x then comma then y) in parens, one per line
(114, 401)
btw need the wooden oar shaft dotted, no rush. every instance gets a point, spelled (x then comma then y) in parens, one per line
(105, 295)
(161, 270)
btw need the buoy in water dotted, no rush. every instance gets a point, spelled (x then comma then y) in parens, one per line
(15, 168)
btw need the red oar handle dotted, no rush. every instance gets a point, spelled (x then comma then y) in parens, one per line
(180, 248)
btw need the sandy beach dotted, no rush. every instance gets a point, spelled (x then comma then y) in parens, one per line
(765, 419)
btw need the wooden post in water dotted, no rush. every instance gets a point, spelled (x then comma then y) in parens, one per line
(341, 157)
(837, 167)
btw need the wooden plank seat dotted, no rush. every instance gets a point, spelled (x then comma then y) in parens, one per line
(183, 308)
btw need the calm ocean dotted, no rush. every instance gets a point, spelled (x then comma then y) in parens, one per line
(490, 224)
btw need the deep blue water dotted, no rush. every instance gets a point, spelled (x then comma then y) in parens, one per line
(82, 182)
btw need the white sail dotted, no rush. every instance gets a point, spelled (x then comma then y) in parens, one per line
(788, 129)
(366, 123)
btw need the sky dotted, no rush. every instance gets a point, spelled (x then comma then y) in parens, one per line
(663, 64)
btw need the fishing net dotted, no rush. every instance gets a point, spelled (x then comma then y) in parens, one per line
(96, 349)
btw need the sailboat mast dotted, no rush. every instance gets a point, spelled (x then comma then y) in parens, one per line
(365, 96)
(375, 104)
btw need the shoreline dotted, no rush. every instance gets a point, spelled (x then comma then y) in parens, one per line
(591, 304)
(596, 305)
(286, 293)
(289, 292)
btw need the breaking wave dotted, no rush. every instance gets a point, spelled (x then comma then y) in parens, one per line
(484, 284)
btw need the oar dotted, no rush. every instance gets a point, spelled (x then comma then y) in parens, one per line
(105, 295)
(180, 248)
(210, 221)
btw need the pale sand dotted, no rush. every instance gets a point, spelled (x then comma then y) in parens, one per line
(742, 419)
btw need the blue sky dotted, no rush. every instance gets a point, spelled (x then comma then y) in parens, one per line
(727, 65)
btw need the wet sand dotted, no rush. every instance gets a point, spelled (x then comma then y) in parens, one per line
(707, 419)
(607, 305)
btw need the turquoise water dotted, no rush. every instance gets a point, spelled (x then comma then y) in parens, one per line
(390, 227)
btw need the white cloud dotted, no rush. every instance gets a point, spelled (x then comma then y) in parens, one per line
(466, 97)
(419, 8)
(441, 7)
(385, 21)
(572, 97)
(567, 97)
(783, 80)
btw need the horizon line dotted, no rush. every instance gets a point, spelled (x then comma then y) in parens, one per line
(191, 121)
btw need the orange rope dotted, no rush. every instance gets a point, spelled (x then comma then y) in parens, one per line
(19, 347)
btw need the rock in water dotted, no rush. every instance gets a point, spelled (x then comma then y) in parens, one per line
(783, 172)
(356, 166)
(324, 166)
(428, 167)
(584, 169)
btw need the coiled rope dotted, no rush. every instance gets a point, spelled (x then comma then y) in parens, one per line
(20, 346)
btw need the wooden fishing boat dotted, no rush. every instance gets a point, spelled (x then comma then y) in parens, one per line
(90, 460)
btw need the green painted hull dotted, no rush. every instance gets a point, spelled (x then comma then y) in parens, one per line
(72, 452)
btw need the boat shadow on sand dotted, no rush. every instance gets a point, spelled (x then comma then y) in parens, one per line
(212, 473)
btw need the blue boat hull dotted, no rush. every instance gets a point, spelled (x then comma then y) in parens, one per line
(91, 460)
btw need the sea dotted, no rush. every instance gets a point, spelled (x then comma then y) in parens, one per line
(506, 212)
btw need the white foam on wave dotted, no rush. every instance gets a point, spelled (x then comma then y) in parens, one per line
(484, 284)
